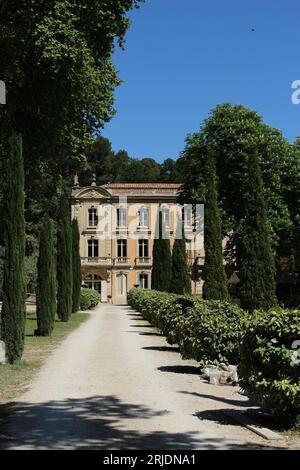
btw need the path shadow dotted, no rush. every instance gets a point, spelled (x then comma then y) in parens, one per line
(142, 326)
(129, 310)
(181, 369)
(146, 333)
(97, 423)
(162, 348)
(241, 403)
(216, 416)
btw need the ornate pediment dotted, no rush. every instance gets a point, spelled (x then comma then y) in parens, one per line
(91, 193)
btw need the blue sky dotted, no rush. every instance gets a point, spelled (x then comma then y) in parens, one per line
(183, 57)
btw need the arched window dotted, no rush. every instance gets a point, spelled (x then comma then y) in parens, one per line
(122, 217)
(144, 281)
(122, 284)
(188, 216)
(143, 217)
(143, 248)
(93, 248)
(122, 248)
(165, 217)
(93, 217)
(92, 281)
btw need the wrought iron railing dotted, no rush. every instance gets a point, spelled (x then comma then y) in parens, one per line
(143, 260)
(104, 261)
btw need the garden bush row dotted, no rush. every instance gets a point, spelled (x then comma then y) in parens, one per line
(262, 344)
(207, 331)
(269, 366)
(89, 298)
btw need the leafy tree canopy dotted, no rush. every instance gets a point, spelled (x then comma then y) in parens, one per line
(231, 132)
(56, 62)
(119, 167)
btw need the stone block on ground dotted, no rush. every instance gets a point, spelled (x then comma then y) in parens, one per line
(220, 375)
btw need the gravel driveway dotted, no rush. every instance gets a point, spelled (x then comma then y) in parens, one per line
(116, 384)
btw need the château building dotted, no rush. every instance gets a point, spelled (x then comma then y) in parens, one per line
(118, 224)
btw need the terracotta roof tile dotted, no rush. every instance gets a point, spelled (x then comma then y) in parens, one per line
(143, 185)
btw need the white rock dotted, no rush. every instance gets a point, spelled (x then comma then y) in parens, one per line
(219, 376)
(214, 377)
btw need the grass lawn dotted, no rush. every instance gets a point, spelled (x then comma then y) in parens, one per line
(15, 379)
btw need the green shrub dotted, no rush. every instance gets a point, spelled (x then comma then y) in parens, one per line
(148, 303)
(89, 298)
(207, 331)
(168, 321)
(269, 369)
(211, 331)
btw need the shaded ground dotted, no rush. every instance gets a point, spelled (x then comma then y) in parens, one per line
(116, 384)
(16, 378)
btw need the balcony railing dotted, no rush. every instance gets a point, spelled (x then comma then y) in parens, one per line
(143, 261)
(121, 261)
(142, 228)
(97, 260)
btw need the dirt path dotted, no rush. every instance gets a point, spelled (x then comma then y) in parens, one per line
(116, 384)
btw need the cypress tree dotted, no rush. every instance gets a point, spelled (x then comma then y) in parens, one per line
(162, 262)
(64, 261)
(13, 314)
(76, 261)
(215, 281)
(46, 290)
(181, 280)
(254, 253)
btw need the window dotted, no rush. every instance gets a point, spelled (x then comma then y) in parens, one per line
(93, 248)
(165, 217)
(122, 217)
(143, 217)
(93, 281)
(122, 284)
(93, 217)
(143, 281)
(188, 245)
(122, 248)
(188, 216)
(143, 248)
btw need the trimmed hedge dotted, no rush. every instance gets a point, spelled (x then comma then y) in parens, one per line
(213, 331)
(269, 369)
(89, 298)
(207, 331)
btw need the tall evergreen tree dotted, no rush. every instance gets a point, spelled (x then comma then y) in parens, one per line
(64, 261)
(215, 281)
(162, 262)
(46, 291)
(76, 262)
(181, 280)
(230, 131)
(257, 264)
(13, 308)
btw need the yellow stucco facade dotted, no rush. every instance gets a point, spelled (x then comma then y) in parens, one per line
(117, 225)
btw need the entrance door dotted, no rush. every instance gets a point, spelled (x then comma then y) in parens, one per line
(121, 290)
(103, 291)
